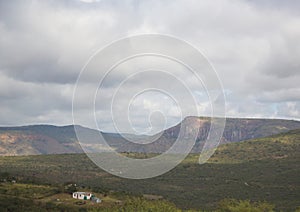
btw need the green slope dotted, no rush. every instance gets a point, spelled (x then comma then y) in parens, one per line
(274, 147)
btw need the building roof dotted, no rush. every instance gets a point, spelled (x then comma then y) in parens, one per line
(82, 192)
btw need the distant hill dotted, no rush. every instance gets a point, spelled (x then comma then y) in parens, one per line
(236, 130)
(48, 139)
(38, 139)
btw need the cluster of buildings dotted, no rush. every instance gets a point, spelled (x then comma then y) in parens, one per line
(85, 196)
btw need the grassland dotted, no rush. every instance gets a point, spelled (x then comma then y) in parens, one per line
(264, 169)
(32, 197)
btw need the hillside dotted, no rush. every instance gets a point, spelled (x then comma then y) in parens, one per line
(265, 169)
(274, 147)
(38, 139)
(47, 139)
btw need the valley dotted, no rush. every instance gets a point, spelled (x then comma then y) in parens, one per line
(263, 169)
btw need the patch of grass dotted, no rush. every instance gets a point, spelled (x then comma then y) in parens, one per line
(38, 198)
(26, 190)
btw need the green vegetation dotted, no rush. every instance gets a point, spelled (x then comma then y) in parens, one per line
(30, 197)
(26, 190)
(232, 205)
(274, 147)
(140, 204)
(259, 170)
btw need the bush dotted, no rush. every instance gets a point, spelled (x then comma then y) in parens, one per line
(232, 205)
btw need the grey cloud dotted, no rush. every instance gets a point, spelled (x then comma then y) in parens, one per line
(24, 102)
(277, 5)
(283, 51)
(284, 95)
(254, 46)
(51, 41)
(288, 109)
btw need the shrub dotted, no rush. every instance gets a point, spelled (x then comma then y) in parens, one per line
(232, 205)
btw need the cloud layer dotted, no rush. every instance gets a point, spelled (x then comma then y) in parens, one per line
(253, 45)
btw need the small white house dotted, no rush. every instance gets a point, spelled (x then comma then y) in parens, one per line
(82, 195)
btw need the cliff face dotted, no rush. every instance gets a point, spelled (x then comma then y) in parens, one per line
(236, 129)
(46, 139)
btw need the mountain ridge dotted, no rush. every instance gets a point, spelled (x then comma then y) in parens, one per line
(51, 139)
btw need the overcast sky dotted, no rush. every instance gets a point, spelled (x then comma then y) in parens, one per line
(254, 46)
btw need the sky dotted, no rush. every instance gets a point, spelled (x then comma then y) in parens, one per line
(253, 45)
